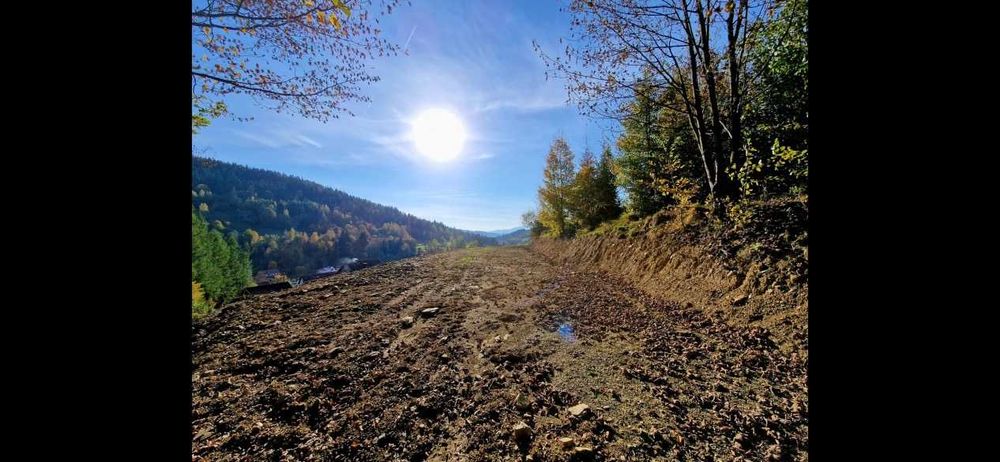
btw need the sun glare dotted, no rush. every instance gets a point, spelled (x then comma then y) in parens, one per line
(438, 135)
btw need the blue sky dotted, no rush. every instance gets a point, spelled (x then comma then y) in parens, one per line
(474, 58)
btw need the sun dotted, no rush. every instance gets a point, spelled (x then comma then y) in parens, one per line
(438, 135)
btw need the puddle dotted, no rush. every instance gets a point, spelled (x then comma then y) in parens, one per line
(566, 332)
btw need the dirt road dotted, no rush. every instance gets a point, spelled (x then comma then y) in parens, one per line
(335, 370)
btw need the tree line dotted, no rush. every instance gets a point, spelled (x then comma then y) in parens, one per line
(220, 267)
(712, 97)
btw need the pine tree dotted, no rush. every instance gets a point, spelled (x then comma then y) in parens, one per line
(605, 191)
(218, 264)
(553, 196)
(641, 151)
(659, 164)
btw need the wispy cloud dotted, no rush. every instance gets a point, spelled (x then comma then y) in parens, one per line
(407, 44)
(521, 104)
(260, 140)
(309, 141)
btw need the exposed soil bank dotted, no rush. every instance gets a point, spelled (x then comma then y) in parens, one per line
(742, 291)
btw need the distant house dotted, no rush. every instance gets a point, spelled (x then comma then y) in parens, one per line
(269, 277)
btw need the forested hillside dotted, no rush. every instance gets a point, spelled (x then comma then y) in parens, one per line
(297, 226)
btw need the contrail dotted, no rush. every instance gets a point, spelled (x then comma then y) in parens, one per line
(407, 44)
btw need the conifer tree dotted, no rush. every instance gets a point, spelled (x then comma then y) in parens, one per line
(605, 190)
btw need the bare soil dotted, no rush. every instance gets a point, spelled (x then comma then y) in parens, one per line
(331, 370)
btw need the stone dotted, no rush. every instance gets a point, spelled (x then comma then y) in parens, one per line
(579, 410)
(407, 321)
(522, 433)
(566, 443)
(203, 434)
(522, 402)
(740, 300)
(429, 312)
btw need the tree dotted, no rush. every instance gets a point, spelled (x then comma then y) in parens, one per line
(530, 220)
(777, 110)
(218, 264)
(605, 192)
(696, 48)
(642, 154)
(305, 56)
(252, 237)
(553, 196)
(583, 191)
(361, 243)
(659, 165)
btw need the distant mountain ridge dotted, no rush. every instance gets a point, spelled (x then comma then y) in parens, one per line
(298, 226)
(500, 232)
(521, 236)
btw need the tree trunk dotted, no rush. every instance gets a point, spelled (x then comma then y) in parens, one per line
(718, 158)
(707, 155)
(734, 23)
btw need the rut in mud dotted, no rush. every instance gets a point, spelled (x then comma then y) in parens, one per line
(353, 368)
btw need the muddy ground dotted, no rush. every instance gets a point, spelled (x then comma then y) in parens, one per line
(334, 370)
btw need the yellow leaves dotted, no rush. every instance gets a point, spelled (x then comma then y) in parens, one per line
(309, 3)
(197, 293)
(323, 18)
(206, 30)
(729, 6)
(339, 4)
